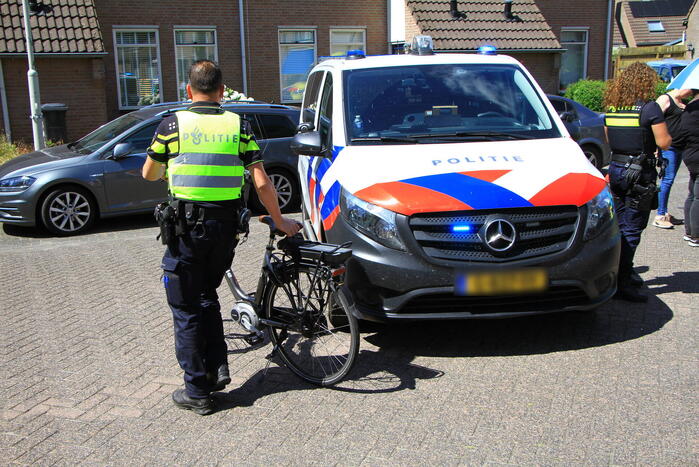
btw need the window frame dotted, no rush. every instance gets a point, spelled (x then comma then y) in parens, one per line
(177, 29)
(127, 28)
(361, 29)
(280, 30)
(586, 43)
(658, 26)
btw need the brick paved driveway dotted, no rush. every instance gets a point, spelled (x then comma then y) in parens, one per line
(87, 368)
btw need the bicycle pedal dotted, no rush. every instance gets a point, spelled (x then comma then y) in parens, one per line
(253, 339)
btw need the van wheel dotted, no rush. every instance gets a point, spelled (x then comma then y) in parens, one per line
(593, 155)
(68, 210)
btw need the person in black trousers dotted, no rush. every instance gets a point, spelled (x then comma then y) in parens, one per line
(690, 156)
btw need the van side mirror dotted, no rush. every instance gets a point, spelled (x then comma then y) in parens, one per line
(121, 150)
(306, 144)
(567, 116)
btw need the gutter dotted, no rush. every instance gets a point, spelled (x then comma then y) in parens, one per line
(607, 43)
(56, 54)
(5, 112)
(243, 57)
(467, 51)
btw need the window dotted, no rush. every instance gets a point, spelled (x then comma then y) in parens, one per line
(655, 26)
(297, 54)
(277, 126)
(141, 139)
(252, 120)
(326, 111)
(311, 97)
(342, 40)
(138, 67)
(574, 59)
(190, 46)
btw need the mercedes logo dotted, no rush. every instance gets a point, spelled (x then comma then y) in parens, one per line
(499, 235)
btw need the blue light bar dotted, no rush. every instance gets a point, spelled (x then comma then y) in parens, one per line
(355, 53)
(487, 50)
(461, 228)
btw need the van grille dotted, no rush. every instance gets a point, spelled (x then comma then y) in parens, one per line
(541, 231)
(555, 298)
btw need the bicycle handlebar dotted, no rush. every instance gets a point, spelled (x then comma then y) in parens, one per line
(272, 226)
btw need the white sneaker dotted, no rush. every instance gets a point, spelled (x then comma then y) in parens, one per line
(687, 238)
(693, 241)
(663, 222)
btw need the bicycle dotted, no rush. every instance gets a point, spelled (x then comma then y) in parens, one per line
(300, 304)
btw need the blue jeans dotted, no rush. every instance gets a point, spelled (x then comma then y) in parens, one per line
(674, 158)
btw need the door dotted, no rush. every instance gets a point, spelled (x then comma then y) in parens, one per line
(305, 163)
(125, 187)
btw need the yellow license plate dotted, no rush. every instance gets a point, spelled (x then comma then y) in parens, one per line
(502, 283)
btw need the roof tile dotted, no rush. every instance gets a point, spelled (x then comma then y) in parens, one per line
(484, 22)
(66, 18)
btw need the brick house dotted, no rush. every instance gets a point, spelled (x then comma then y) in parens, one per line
(558, 45)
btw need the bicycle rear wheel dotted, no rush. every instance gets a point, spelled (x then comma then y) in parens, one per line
(320, 341)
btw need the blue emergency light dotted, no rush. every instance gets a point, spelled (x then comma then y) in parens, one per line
(487, 50)
(461, 228)
(355, 54)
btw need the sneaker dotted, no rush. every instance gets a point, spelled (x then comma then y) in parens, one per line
(663, 222)
(687, 238)
(693, 241)
(198, 406)
(675, 221)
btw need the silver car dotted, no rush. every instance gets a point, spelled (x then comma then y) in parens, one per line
(66, 188)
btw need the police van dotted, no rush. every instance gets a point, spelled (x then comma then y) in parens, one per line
(458, 185)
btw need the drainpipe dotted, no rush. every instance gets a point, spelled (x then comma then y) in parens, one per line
(242, 48)
(5, 113)
(33, 81)
(608, 41)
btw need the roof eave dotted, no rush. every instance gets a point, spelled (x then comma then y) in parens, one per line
(55, 54)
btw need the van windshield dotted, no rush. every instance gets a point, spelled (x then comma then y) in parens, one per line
(446, 102)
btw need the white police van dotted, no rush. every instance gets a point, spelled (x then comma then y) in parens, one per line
(459, 187)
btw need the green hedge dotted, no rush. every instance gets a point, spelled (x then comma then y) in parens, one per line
(589, 93)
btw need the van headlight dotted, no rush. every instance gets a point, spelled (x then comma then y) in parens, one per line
(16, 183)
(600, 212)
(376, 222)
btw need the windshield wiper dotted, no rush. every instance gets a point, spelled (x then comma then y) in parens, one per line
(388, 139)
(487, 134)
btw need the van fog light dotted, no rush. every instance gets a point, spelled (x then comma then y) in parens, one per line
(374, 221)
(600, 212)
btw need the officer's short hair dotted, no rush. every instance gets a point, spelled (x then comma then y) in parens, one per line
(205, 76)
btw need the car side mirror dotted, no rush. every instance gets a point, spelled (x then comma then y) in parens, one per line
(121, 150)
(305, 127)
(306, 144)
(567, 116)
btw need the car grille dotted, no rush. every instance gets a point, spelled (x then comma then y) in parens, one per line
(541, 231)
(555, 298)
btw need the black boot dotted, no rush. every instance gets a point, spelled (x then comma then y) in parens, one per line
(199, 406)
(636, 280)
(221, 379)
(629, 293)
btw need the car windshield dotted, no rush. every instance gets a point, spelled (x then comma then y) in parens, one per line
(676, 70)
(105, 133)
(446, 102)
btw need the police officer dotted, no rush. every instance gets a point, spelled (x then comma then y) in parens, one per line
(203, 152)
(635, 128)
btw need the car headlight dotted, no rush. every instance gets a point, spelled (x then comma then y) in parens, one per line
(374, 221)
(600, 212)
(16, 183)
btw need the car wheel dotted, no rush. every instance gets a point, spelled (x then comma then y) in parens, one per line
(68, 211)
(287, 191)
(593, 155)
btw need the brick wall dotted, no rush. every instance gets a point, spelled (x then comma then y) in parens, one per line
(581, 13)
(66, 80)
(263, 41)
(543, 67)
(165, 14)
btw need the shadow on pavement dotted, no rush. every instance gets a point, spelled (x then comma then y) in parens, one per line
(114, 224)
(684, 281)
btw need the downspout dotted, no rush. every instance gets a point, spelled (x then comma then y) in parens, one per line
(5, 112)
(243, 57)
(608, 42)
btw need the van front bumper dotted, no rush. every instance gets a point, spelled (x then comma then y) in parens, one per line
(388, 284)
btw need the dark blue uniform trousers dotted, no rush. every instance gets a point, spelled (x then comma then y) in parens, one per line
(632, 222)
(191, 274)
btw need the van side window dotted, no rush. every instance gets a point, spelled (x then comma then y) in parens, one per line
(277, 126)
(310, 97)
(326, 111)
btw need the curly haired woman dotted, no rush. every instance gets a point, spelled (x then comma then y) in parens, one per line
(636, 128)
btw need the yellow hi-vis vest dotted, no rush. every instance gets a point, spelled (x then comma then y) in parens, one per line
(208, 167)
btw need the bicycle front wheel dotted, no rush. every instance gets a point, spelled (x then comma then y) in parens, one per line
(320, 339)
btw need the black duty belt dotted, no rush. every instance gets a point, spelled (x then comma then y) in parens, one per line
(193, 213)
(633, 159)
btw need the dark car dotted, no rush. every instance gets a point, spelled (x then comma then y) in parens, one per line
(586, 127)
(66, 188)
